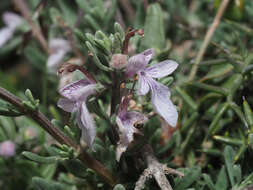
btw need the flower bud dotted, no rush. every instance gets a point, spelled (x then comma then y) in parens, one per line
(7, 149)
(118, 61)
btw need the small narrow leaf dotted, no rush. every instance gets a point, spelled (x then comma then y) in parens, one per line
(213, 126)
(209, 182)
(41, 159)
(187, 98)
(222, 181)
(154, 28)
(190, 177)
(229, 161)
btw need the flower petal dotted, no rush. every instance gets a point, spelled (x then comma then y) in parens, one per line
(162, 103)
(135, 64)
(7, 149)
(12, 20)
(59, 44)
(66, 104)
(149, 53)
(55, 59)
(138, 62)
(143, 86)
(78, 90)
(5, 34)
(126, 127)
(162, 69)
(86, 124)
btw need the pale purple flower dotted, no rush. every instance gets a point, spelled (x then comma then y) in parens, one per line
(12, 21)
(58, 49)
(160, 93)
(7, 149)
(126, 121)
(75, 95)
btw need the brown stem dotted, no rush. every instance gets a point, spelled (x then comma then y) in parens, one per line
(155, 169)
(21, 5)
(37, 116)
(71, 68)
(129, 35)
(208, 37)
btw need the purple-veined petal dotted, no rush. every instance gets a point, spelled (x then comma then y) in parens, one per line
(138, 62)
(66, 104)
(135, 64)
(143, 86)
(162, 69)
(12, 20)
(78, 90)
(149, 53)
(55, 59)
(133, 117)
(126, 127)
(86, 124)
(162, 103)
(5, 34)
(59, 44)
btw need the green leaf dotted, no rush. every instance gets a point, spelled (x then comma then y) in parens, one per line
(95, 58)
(227, 140)
(36, 57)
(248, 114)
(119, 187)
(192, 175)
(110, 14)
(119, 29)
(92, 22)
(10, 46)
(68, 12)
(188, 123)
(213, 126)
(239, 113)
(233, 83)
(41, 159)
(8, 127)
(237, 173)
(218, 71)
(209, 182)
(229, 155)
(154, 28)
(222, 180)
(84, 5)
(7, 109)
(188, 100)
(44, 184)
(209, 87)
(48, 170)
(76, 167)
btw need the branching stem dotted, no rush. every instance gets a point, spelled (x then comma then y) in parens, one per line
(155, 169)
(37, 116)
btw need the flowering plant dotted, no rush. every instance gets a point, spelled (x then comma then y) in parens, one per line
(115, 105)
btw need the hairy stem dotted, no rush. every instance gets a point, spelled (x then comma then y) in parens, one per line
(37, 116)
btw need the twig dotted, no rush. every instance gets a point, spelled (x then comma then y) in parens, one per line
(155, 169)
(208, 37)
(37, 116)
(21, 5)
